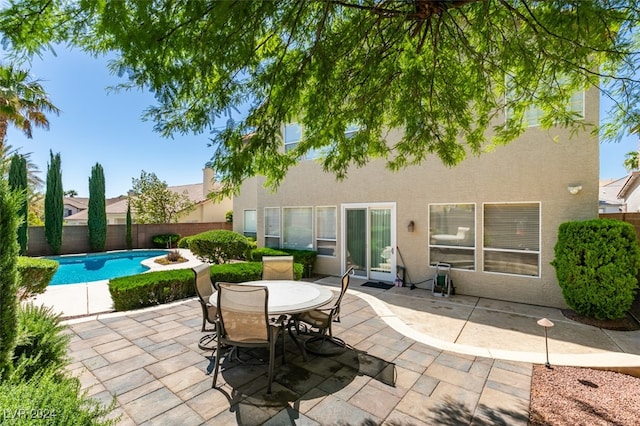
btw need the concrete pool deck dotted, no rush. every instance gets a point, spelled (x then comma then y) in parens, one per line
(74, 300)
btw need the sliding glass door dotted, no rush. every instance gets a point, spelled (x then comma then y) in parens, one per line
(369, 239)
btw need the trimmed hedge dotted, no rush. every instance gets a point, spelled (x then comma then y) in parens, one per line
(257, 254)
(34, 275)
(152, 288)
(245, 271)
(219, 246)
(307, 258)
(158, 287)
(596, 264)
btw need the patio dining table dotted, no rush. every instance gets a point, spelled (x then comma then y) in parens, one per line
(288, 297)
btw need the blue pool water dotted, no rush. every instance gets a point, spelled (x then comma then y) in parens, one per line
(101, 266)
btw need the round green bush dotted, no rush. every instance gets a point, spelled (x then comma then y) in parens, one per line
(34, 275)
(596, 264)
(219, 246)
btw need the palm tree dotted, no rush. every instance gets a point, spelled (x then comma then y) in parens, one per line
(631, 161)
(23, 102)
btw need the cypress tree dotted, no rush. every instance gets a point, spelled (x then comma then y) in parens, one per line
(53, 204)
(129, 238)
(97, 221)
(18, 182)
(9, 207)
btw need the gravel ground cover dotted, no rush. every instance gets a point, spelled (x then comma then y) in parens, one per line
(583, 396)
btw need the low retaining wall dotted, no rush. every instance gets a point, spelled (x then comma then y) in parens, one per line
(75, 239)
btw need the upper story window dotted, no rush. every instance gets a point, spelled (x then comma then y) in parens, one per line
(293, 134)
(533, 115)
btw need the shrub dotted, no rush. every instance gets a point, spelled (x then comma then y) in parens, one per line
(219, 246)
(51, 398)
(305, 257)
(152, 288)
(596, 264)
(41, 342)
(257, 254)
(34, 275)
(244, 271)
(228, 216)
(184, 242)
(164, 240)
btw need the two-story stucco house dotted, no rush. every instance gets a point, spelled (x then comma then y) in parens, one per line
(494, 217)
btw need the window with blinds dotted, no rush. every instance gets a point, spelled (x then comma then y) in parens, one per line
(272, 227)
(297, 228)
(326, 224)
(512, 238)
(250, 223)
(452, 235)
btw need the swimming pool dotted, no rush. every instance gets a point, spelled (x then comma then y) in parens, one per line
(100, 266)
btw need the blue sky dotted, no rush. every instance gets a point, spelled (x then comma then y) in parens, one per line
(98, 126)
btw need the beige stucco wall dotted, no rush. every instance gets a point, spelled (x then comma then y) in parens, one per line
(538, 167)
(208, 211)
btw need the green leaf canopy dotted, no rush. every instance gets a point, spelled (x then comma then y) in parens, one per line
(443, 71)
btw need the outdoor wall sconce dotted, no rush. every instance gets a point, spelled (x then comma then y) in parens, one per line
(411, 226)
(573, 190)
(546, 324)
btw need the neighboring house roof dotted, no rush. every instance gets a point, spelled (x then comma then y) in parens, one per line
(628, 185)
(79, 203)
(609, 190)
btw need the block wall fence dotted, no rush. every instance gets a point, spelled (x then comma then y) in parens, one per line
(75, 239)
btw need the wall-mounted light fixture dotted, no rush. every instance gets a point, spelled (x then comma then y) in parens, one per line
(411, 226)
(573, 190)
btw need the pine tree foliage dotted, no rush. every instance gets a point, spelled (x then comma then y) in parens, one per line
(97, 214)
(9, 209)
(457, 76)
(128, 237)
(18, 181)
(53, 204)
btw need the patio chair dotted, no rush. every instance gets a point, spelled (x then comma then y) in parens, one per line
(204, 289)
(243, 322)
(277, 267)
(321, 319)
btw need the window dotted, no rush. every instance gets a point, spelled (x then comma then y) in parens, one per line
(452, 235)
(292, 135)
(532, 115)
(512, 238)
(576, 104)
(250, 223)
(326, 231)
(297, 228)
(272, 227)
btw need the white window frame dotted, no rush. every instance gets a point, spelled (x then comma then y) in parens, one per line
(267, 232)
(285, 238)
(433, 243)
(245, 229)
(319, 240)
(537, 252)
